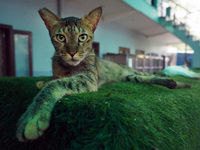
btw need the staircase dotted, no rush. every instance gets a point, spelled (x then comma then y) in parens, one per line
(180, 32)
(171, 24)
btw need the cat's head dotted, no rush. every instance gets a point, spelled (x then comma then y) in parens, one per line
(72, 37)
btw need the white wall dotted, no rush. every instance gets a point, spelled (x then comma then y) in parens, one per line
(23, 15)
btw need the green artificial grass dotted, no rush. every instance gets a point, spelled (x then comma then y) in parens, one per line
(120, 116)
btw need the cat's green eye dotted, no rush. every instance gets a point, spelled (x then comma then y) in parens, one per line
(60, 37)
(82, 37)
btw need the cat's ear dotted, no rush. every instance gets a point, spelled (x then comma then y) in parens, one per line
(50, 19)
(93, 18)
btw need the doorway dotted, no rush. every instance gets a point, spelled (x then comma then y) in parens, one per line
(7, 67)
(23, 53)
(95, 46)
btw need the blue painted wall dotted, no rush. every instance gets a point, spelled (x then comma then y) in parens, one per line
(181, 58)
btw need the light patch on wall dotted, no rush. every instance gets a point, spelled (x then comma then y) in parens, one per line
(21, 55)
(175, 50)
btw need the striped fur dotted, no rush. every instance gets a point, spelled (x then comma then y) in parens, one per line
(75, 70)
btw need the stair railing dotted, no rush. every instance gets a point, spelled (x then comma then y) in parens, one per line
(178, 14)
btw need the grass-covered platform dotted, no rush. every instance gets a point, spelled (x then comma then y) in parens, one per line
(120, 116)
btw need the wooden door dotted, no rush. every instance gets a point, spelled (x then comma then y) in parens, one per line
(95, 45)
(7, 67)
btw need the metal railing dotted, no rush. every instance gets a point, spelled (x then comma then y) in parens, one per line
(142, 63)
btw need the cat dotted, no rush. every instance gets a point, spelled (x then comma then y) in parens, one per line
(180, 71)
(76, 70)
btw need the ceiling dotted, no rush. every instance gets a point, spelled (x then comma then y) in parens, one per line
(119, 12)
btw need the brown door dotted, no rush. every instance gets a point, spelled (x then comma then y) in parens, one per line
(6, 51)
(95, 45)
(3, 64)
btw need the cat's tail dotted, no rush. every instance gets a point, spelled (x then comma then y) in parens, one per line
(182, 85)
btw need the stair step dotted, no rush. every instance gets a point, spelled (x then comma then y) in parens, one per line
(198, 42)
(180, 33)
(162, 19)
(182, 27)
(190, 37)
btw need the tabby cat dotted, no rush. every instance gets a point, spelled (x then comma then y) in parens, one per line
(76, 70)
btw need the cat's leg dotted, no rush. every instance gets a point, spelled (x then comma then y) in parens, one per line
(41, 84)
(169, 83)
(36, 119)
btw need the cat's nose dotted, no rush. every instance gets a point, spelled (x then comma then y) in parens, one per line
(72, 53)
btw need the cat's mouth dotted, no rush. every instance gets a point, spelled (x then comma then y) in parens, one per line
(73, 62)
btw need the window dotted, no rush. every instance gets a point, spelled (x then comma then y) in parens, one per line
(23, 53)
(124, 50)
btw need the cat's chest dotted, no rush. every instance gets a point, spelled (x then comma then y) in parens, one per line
(59, 71)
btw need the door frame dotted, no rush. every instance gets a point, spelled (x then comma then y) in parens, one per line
(10, 57)
(95, 46)
(29, 47)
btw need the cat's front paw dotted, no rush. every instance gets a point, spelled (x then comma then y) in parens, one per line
(40, 84)
(172, 84)
(32, 127)
(169, 83)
